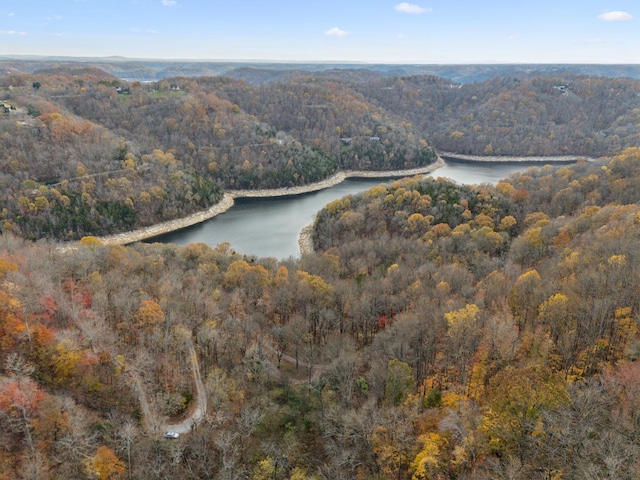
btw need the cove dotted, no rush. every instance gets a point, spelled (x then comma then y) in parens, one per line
(269, 227)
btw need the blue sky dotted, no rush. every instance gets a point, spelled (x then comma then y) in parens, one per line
(373, 31)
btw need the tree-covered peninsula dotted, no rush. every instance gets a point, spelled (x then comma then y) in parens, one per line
(85, 153)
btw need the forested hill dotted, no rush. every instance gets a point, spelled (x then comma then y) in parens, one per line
(261, 72)
(521, 116)
(439, 332)
(85, 153)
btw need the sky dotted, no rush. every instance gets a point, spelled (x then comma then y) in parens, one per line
(371, 31)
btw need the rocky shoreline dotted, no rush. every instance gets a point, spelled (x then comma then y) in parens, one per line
(499, 158)
(228, 200)
(304, 241)
(170, 226)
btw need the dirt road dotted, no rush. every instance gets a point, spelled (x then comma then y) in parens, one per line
(201, 398)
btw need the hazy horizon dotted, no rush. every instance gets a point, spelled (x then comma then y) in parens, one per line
(373, 32)
(268, 61)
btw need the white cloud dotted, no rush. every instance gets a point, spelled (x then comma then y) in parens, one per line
(412, 8)
(402, 36)
(11, 32)
(149, 31)
(12, 14)
(615, 16)
(336, 32)
(169, 3)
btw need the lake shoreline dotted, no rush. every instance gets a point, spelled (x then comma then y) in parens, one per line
(229, 197)
(506, 158)
(305, 243)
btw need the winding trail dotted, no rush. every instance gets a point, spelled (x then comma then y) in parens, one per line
(200, 410)
(150, 420)
(136, 384)
(152, 423)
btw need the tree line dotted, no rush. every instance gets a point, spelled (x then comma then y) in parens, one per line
(100, 136)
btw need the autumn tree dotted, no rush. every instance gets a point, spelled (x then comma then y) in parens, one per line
(463, 335)
(20, 398)
(516, 401)
(399, 383)
(105, 465)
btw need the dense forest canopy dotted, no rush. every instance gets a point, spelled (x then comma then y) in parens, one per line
(438, 331)
(86, 153)
(552, 115)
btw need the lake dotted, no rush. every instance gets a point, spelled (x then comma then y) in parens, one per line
(269, 227)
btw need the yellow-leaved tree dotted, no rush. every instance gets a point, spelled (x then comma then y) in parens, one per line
(104, 465)
(517, 398)
(427, 462)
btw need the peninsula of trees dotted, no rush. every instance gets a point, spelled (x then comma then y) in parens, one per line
(84, 153)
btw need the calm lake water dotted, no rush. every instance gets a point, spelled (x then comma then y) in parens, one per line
(269, 227)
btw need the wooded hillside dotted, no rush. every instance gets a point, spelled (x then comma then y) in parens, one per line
(84, 153)
(521, 116)
(440, 331)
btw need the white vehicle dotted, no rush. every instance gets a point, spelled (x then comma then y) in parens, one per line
(171, 435)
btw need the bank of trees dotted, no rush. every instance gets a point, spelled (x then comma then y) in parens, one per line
(88, 154)
(112, 155)
(521, 116)
(440, 331)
